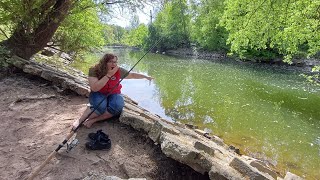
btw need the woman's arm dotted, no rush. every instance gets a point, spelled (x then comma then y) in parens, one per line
(96, 84)
(133, 75)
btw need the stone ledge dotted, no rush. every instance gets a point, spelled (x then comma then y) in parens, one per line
(193, 148)
(247, 170)
(66, 80)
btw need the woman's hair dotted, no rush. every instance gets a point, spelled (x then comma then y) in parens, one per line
(100, 69)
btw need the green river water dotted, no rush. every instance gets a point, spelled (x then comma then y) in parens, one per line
(268, 113)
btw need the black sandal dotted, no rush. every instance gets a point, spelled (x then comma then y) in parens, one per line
(99, 144)
(94, 136)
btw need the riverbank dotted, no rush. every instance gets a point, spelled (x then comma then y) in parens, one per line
(32, 129)
(36, 118)
(301, 65)
(195, 148)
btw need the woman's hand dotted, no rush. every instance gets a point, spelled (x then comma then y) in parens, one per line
(112, 71)
(149, 78)
(133, 75)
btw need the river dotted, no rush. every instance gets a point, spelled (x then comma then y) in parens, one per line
(267, 112)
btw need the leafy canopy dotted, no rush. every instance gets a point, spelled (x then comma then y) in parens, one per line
(81, 30)
(206, 31)
(136, 37)
(290, 27)
(173, 24)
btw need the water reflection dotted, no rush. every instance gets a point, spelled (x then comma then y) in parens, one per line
(269, 114)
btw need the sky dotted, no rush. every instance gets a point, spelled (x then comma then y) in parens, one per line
(123, 20)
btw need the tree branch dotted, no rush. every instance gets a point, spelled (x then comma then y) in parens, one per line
(4, 33)
(53, 47)
(101, 3)
(46, 6)
(253, 12)
(54, 18)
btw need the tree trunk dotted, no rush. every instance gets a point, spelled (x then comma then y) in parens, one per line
(24, 43)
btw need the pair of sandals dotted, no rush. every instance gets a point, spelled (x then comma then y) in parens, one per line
(98, 141)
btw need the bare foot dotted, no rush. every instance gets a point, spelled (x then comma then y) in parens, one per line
(88, 123)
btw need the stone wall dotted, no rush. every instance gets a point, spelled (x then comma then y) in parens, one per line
(201, 151)
(204, 152)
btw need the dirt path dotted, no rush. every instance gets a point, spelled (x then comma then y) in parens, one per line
(35, 119)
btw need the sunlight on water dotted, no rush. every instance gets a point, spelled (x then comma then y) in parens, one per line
(270, 114)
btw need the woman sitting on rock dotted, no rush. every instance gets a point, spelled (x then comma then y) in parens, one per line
(104, 80)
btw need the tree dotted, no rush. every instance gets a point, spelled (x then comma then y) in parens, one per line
(134, 23)
(136, 37)
(206, 31)
(152, 37)
(34, 23)
(82, 30)
(173, 24)
(290, 27)
(119, 32)
(108, 34)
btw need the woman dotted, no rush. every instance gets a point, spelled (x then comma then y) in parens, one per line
(104, 80)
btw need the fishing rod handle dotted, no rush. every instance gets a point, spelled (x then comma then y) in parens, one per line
(35, 173)
(53, 153)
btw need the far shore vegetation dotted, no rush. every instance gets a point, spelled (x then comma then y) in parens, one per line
(249, 30)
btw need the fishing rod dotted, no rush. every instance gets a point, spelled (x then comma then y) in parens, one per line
(74, 130)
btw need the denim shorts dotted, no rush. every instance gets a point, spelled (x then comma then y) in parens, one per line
(113, 103)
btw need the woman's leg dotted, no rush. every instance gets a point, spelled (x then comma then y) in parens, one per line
(98, 103)
(84, 117)
(114, 107)
(88, 123)
(115, 104)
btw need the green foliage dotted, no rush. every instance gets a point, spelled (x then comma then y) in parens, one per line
(4, 32)
(81, 30)
(108, 34)
(13, 12)
(206, 31)
(314, 78)
(261, 55)
(136, 37)
(281, 25)
(81, 27)
(152, 37)
(257, 28)
(173, 25)
(118, 33)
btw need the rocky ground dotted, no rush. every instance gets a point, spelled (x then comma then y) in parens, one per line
(35, 118)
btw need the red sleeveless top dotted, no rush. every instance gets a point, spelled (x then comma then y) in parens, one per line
(109, 87)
